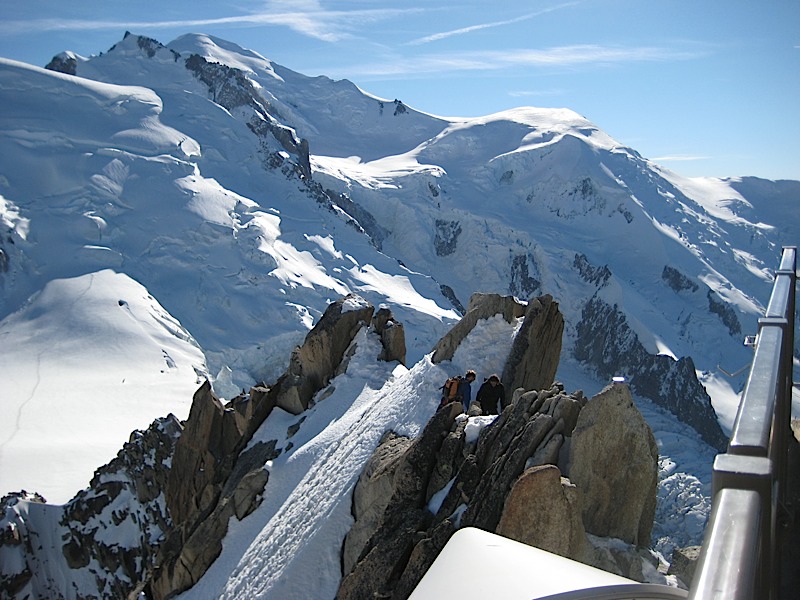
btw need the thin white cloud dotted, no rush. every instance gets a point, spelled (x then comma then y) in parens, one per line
(593, 53)
(535, 93)
(464, 30)
(306, 18)
(495, 60)
(679, 158)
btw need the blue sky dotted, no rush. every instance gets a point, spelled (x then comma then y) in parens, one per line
(703, 87)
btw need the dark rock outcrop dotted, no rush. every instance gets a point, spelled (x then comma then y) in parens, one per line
(414, 494)
(393, 337)
(607, 343)
(534, 356)
(63, 63)
(446, 239)
(523, 279)
(231, 89)
(725, 313)
(598, 276)
(677, 280)
(313, 364)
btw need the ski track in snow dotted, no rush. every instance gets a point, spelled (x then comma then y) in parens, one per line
(295, 523)
(21, 407)
(334, 469)
(24, 403)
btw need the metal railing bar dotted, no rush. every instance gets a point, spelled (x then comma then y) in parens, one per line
(739, 560)
(779, 301)
(753, 425)
(728, 567)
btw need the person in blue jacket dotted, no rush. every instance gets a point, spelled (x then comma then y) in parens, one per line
(465, 389)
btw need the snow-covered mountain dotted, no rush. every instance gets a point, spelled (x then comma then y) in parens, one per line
(172, 213)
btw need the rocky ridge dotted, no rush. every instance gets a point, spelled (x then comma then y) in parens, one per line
(154, 518)
(532, 475)
(173, 489)
(606, 341)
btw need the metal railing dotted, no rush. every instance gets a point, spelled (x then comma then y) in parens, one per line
(739, 559)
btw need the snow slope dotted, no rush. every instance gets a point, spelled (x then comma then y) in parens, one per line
(84, 363)
(123, 190)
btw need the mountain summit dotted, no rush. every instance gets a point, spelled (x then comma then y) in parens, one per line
(186, 212)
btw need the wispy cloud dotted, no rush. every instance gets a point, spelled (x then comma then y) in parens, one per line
(308, 17)
(305, 17)
(593, 53)
(464, 30)
(497, 60)
(679, 158)
(535, 93)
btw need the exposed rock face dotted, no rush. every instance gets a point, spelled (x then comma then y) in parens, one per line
(598, 276)
(684, 562)
(190, 549)
(314, 363)
(63, 63)
(553, 521)
(174, 488)
(19, 559)
(232, 89)
(681, 283)
(127, 495)
(448, 293)
(607, 342)
(613, 461)
(210, 435)
(724, 311)
(534, 357)
(508, 482)
(210, 481)
(677, 280)
(372, 493)
(481, 306)
(446, 239)
(523, 276)
(393, 337)
(391, 534)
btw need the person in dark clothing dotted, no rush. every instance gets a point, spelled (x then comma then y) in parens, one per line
(465, 389)
(491, 395)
